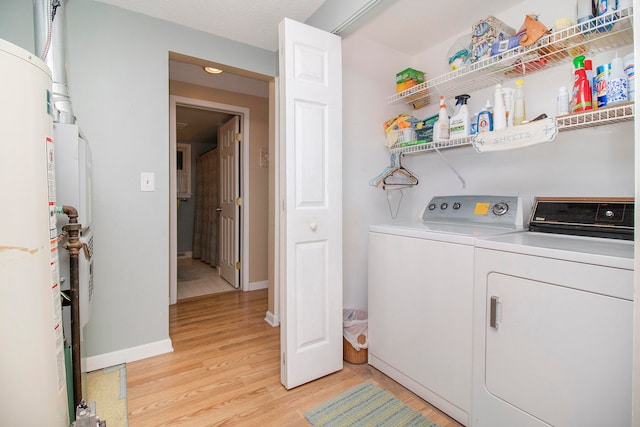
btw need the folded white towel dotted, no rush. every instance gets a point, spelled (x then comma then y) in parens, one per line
(532, 133)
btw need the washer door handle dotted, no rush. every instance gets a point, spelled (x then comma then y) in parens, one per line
(495, 313)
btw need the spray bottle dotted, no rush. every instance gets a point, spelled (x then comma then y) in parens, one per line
(581, 94)
(441, 127)
(460, 121)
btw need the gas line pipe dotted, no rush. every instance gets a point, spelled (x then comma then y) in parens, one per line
(73, 245)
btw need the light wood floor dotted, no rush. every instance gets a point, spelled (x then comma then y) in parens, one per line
(225, 371)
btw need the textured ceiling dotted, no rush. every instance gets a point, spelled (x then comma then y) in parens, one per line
(251, 22)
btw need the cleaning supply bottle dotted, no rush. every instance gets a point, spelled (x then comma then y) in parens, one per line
(629, 70)
(499, 112)
(563, 101)
(460, 121)
(581, 94)
(441, 127)
(617, 89)
(485, 119)
(591, 77)
(507, 95)
(519, 110)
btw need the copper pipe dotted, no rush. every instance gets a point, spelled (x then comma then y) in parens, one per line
(74, 245)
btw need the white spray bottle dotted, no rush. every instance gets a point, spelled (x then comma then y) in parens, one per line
(441, 128)
(460, 122)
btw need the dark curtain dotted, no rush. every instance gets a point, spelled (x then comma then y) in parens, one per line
(205, 227)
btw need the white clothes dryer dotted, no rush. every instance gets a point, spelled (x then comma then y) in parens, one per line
(553, 319)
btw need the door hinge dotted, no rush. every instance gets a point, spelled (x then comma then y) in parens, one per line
(238, 265)
(238, 137)
(238, 201)
(284, 362)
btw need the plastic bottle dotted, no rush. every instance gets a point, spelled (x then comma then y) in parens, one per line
(441, 128)
(459, 122)
(563, 101)
(591, 77)
(581, 94)
(629, 70)
(602, 77)
(499, 114)
(485, 119)
(617, 84)
(473, 126)
(508, 96)
(519, 109)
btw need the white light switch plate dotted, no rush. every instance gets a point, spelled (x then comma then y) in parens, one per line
(147, 181)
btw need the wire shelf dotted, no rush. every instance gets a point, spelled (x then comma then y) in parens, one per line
(599, 34)
(601, 116)
(431, 146)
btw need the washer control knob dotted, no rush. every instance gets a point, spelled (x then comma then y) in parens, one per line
(500, 209)
(609, 214)
(456, 206)
(432, 206)
(444, 206)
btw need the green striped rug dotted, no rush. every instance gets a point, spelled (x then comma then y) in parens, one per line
(366, 405)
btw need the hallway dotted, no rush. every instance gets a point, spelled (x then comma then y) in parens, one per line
(195, 278)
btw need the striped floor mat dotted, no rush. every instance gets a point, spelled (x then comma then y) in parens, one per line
(366, 405)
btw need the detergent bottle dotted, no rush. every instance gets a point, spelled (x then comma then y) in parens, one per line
(485, 119)
(581, 95)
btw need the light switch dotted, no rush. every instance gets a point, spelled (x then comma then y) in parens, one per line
(147, 181)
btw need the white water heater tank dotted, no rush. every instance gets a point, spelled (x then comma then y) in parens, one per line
(32, 372)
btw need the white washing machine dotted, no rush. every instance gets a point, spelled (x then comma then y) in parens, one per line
(421, 295)
(553, 319)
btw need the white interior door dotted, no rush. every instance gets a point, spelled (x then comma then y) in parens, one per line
(311, 202)
(229, 141)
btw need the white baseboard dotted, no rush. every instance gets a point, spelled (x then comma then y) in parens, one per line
(129, 355)
(271, 319)
(254, 286)
(185, 254)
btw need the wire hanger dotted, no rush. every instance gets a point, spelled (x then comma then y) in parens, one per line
(395, 175)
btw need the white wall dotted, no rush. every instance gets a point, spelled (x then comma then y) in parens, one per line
(119, 82)
(368, 78)
(593, 162)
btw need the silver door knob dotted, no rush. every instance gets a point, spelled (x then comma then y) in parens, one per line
(218, 209)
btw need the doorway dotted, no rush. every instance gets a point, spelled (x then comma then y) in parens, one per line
(177, 102)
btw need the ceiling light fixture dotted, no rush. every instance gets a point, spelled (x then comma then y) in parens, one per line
(212, 70)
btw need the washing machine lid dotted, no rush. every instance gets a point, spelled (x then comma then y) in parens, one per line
(465, 234)
(591, 250)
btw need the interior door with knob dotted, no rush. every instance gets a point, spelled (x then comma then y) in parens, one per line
(229, 143)
(311, 204)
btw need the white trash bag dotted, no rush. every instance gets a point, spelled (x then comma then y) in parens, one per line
(355, 324)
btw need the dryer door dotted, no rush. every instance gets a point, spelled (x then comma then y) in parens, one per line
(559, 354)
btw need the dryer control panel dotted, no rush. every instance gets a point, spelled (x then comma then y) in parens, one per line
(502, 211)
